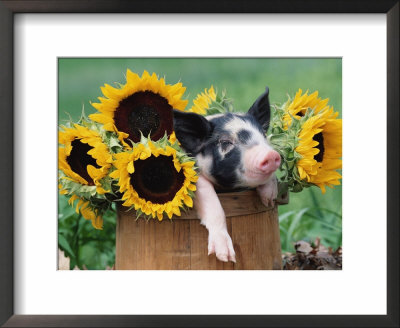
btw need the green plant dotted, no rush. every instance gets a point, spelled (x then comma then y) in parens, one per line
(309, 223)
(86, 247)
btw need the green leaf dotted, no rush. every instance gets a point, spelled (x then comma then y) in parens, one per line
(64, 245)
(319, 220)
(114, 143)
(293, 226)
(284, 216)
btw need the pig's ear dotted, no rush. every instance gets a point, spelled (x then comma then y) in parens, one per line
(261, 111)
(192, 130)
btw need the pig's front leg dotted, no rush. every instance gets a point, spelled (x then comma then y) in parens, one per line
(269, 191)
(212, 216)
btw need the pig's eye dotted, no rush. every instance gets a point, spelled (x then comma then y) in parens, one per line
(225, 145)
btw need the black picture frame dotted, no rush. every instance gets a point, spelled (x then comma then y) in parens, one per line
(7, 11)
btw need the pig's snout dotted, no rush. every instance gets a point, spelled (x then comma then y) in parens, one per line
(269, 162)
(260, 162)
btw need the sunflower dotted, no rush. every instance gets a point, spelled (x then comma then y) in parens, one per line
(155, 178)
(320, 148)
(301, 103)
(87, 212)
(308, 135)
(211, 102)
(142, 106)
(83, 157)
(203, 101)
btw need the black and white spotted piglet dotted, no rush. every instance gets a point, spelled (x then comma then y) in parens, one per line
(231, 152)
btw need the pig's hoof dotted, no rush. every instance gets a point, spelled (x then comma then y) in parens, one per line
(220, 243)
(268, 192)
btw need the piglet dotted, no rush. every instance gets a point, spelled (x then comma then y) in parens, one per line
(231, 152)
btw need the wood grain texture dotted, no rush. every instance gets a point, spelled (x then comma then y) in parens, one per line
(238, 203)
(199, 249)
(181, 244)
(256, 241)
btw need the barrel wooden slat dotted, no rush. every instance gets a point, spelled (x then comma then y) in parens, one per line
(256, 241)
(234, 204)
(199, 250)
(181, 243)
(180, 246)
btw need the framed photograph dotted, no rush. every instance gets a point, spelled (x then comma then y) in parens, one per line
(56, 54)
(229, 95)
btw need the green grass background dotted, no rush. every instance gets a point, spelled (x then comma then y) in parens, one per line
(309, 213)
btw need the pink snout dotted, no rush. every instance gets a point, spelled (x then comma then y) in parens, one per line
(269, 162)
(260, 162)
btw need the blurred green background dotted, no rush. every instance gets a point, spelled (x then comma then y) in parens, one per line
(309, 214)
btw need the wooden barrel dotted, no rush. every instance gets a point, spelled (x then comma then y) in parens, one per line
(181, 243)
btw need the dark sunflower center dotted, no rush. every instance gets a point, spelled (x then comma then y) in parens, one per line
(145, 112)
(145, 119)
(319, 138)
(79, 159)
(155, 179)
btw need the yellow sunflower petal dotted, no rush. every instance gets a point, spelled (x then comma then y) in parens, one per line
(110, 104)
(130, 175)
